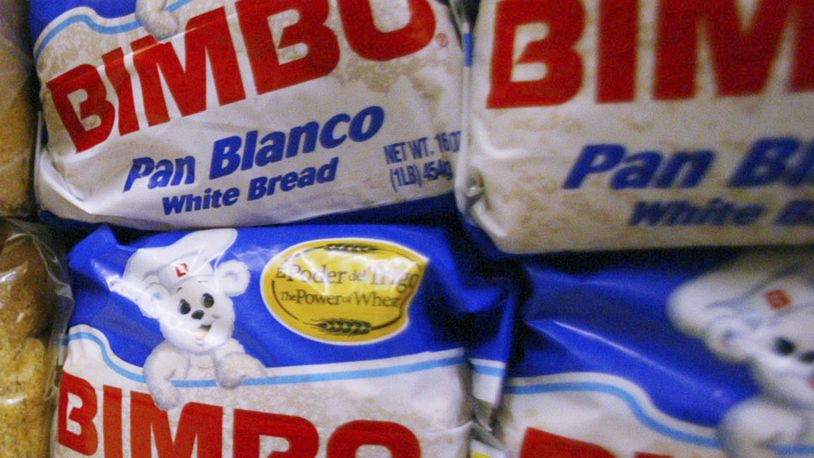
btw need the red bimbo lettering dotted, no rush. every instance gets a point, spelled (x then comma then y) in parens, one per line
(744, 48)
(200, 427)
(209, 48)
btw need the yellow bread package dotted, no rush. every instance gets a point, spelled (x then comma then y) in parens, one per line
(17, 113)
(30, 283)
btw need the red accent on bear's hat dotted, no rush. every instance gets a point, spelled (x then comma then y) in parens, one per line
(181, 269)
(777, 298)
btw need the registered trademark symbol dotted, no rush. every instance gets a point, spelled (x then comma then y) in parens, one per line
(442, 39)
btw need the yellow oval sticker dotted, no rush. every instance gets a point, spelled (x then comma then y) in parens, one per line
(343, 291)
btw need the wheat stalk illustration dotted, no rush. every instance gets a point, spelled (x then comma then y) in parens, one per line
(350, 247)
(343, 326)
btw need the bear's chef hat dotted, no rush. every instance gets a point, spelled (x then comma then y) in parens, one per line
(169, 266)
(756, 286)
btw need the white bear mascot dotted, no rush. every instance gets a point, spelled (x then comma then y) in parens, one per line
(178, 286)
(759, 310)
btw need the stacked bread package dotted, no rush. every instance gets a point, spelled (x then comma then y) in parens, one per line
(248, 112)
(334, 339)
(605, 125)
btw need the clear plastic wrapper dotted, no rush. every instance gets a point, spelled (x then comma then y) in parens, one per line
(17, 110)
(34, 305)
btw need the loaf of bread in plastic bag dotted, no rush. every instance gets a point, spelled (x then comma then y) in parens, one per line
(29, 279)
(17, 112)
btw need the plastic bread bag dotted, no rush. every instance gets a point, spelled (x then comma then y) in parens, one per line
(669, 354)
(317, 340)
(167, 115)
(617, 124)
(34, 304)
(17, 112)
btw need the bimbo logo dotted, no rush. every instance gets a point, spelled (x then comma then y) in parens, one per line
(209, 48)
(743, 49)
(201, 427)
